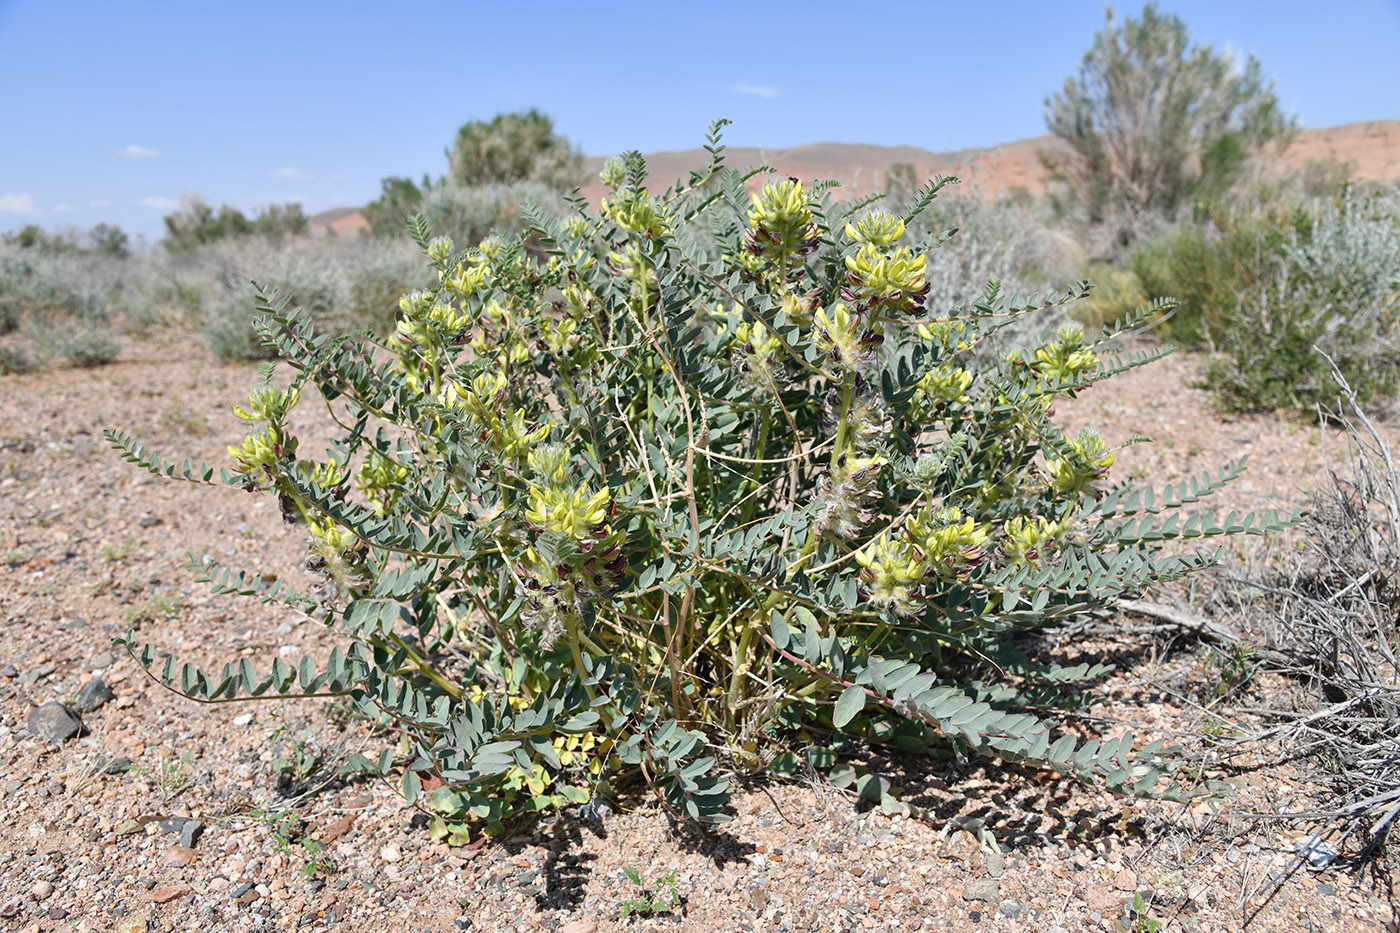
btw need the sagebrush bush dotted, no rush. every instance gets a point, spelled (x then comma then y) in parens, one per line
(87, 346)
(1334, 287)
(617, 511)
(1210, 266)
(38, 284)
(1012, 244)
(469, 214)
(341, 286)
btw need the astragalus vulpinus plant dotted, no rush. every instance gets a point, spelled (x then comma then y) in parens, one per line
(613, 509)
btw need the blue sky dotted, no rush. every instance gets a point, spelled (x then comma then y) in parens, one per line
(111, 110)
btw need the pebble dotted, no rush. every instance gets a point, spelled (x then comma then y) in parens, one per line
(42, 890)
(179, 855)
(1009, 908)
(982, 889)
(165, 895)
(55, 722)
(390, 853)
(190, 833)
(102, 661)
(579, 926)
(117, 765)
(94, 694)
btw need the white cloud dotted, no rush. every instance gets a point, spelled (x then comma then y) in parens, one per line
(137, 152)
(293, 174)
(17, 204)
(752, 90)
(163, 204)
(99, 204)
(62, 208)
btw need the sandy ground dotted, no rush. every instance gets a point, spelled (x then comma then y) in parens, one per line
(90, 545)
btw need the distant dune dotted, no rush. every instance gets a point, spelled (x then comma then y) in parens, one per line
(1372, 150)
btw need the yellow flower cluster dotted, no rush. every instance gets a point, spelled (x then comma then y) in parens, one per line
(1088, 460)
(890, 573)
(1067, 357)
(946, 538)
(1030, 539)
(847, 341)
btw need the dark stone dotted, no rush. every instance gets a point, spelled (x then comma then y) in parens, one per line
(190, 833)
(173, 824)
(116, 765)
(55, 722)
(95, 694)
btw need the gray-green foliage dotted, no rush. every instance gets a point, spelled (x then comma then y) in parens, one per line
(41, 285)
(341, 286)
(1151, 120)
(611, 508)
(514, 147)
(469, 214)
(1014, 244)
(59, 302)
(1331, 283)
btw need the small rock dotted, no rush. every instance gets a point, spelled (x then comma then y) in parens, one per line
(55, 722)
(179, 855)
(190, 833)
(165, 895)
(390, 853)
(244, 893)
(339, 828)
(102, 661)
(173, 824)
(996, 864)
(57, 913)
(119, 765)
(127, 827)
(132, 925)
(243, 720)
(94, 695)
(1009, 908)
(579, 926)
(148, 520)
(982, 889)
(42, 890)
(8, 670)
(1318, 851)
(36, 675)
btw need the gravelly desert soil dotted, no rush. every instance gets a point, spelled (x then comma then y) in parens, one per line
(91, 545)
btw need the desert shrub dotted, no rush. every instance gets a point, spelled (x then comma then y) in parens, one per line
(1117, 293)
(1012, 244)
(618, 511)
(1150, 121)
(1335, 286)
(397, 202)
(15, 358)
(53, 287)
(198, 224)
(110, 240)
(513, 147)
(470, 214)
(1327, 606)
(1210, 266)
(340, 286)
(86, 345)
